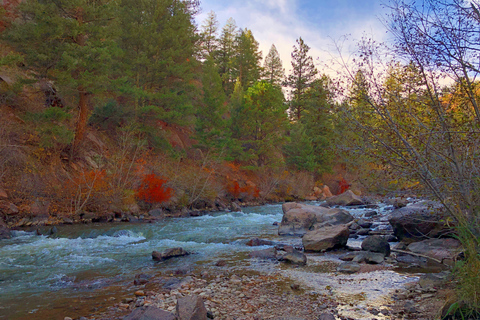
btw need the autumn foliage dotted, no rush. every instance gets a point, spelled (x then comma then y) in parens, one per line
(152, 189)
(249, 189)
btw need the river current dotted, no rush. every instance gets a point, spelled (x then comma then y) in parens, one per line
(80, 262)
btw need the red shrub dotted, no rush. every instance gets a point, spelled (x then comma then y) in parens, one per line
(152, 189)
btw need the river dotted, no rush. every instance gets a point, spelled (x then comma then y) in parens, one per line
(82, 265)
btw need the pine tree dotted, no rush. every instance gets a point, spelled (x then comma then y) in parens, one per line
(71, 43)
(301, 78)
(158, 39)
(208, 35)
(273, 72)
(225, 54)
(211, 124)
(247, 59)
(261, 121)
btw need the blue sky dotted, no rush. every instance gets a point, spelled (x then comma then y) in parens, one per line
(320, 23)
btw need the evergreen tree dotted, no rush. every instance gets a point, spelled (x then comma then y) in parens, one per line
(211, 124)
(273, 70)
(301, 79)
(310, 147)
(225, 54)
(71, 43)
(247, 59)
(261, 122)
(208, 35)
(158, 39)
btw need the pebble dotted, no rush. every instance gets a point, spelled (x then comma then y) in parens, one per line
(139, 293)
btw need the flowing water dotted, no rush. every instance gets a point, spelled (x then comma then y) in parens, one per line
(43, 277)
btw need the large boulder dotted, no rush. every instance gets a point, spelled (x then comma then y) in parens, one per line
(191, 308)
(420, 221)
(169, 253)
(150, 313)
(348, 198)
(294, 257)
(440, 249)
(376, 244)
(326, 238)
(300, 218)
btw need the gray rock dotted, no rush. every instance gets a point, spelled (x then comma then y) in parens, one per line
(440, 249)
(191, 308)
(326, 316)
(326, 238)
(265, 254)
(420, 221)
(169, 253)
(363, 232)
(157, 213)
(348, 267)
(4, 231)
(369, 257)
(295, 257)
(376, 244)
(348, 198)
(349, 256)
(370, 214)
(150, 313)
(364, 224)
(300, 218)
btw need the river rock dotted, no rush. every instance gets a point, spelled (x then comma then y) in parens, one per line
(4, 231)
(376, 244)
(266, 254)
(300, 218)
(169, 253)
(326, 316)
(369, 214)
(150, 313)
(364, 224)
(440, 249)
(420, 221)
(295, 257)
(255, 242)
(348, 198)
(141, 278)
(191, 308)
(326, 238)
(3, 194)
(348, 267)
(369, 257)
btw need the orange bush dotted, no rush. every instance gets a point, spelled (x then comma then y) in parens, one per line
(152, 190)
(235, 190)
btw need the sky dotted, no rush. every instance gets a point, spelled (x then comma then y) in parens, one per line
(322, 24)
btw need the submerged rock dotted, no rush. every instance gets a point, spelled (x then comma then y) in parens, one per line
(300, 218)
(255, 242)
(369, 257)
(270, 253)
(348, 198)
(349, 267)
(326, 238)
(169, 253)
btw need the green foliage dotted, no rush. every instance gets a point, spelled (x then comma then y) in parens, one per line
(224, 55)
(310, 147)
(273, 70)
(302, 77)
(158, 41)
(258, 125)
(52, 127)
(247, 57)
(211, 118)
(110, 115)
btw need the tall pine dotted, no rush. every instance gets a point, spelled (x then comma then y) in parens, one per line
(246, 63)
(225, 54)
(301, 78)
(273, 70)
(208, 36)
